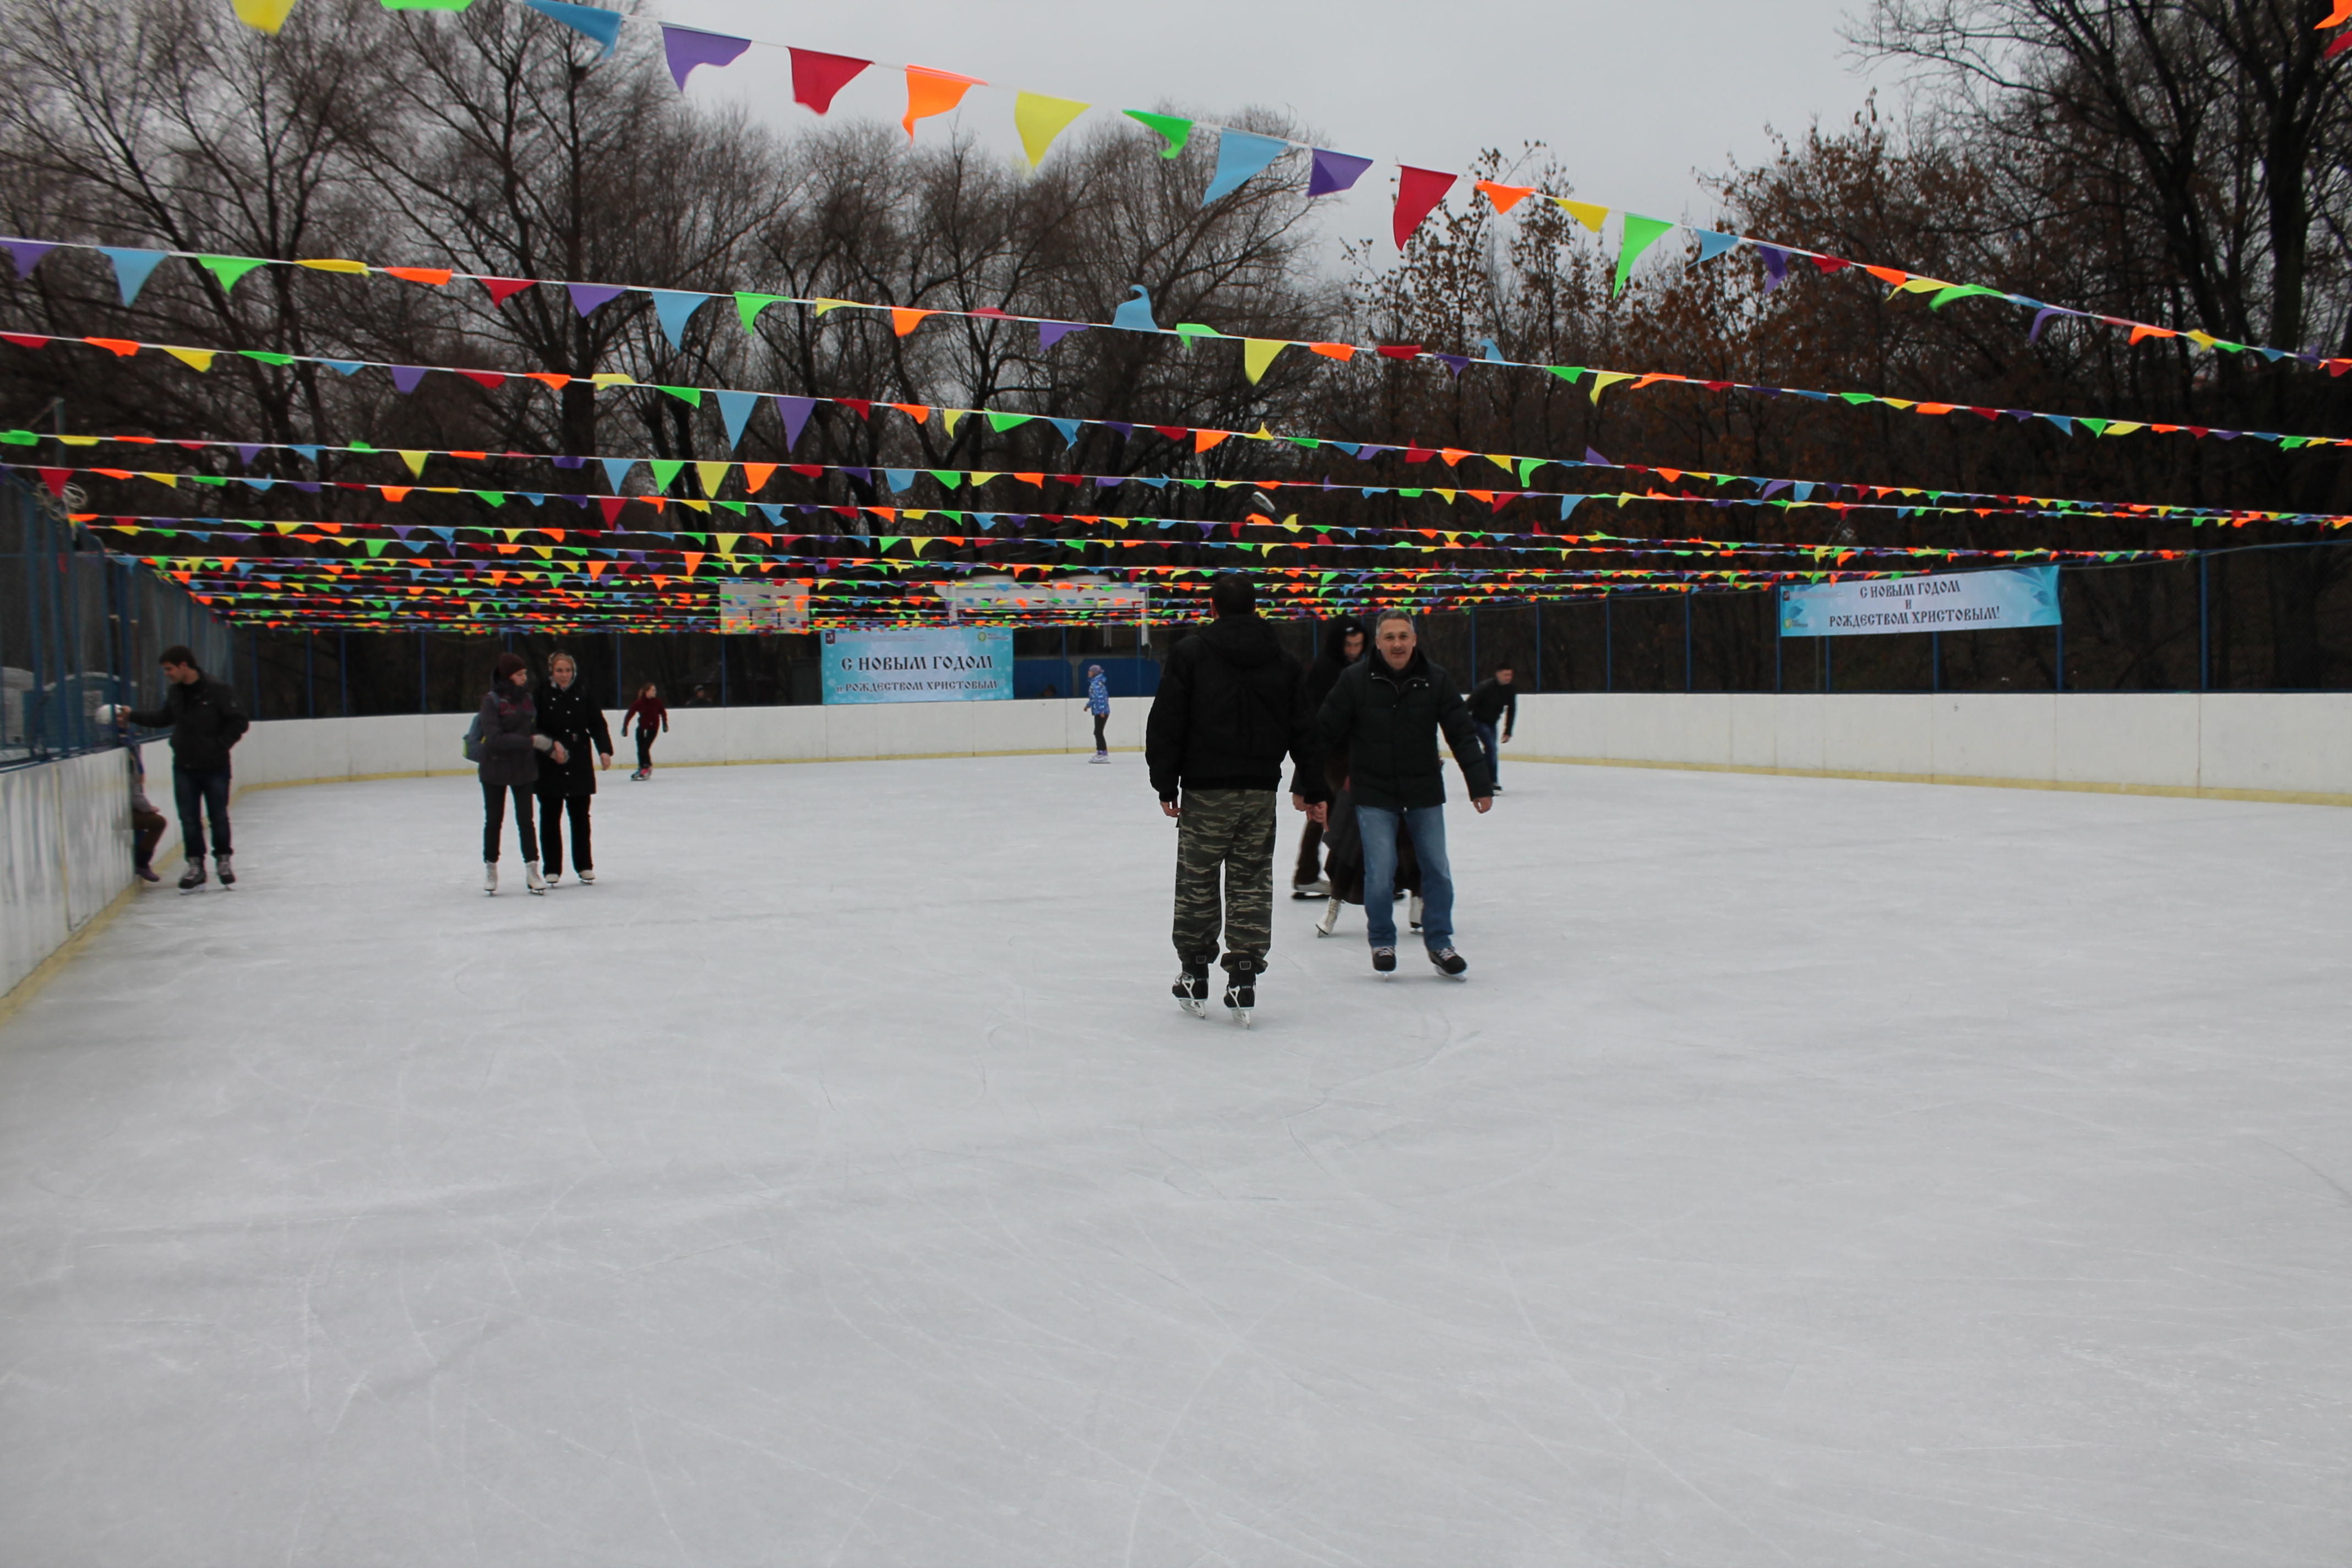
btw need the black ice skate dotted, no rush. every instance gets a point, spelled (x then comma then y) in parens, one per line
(194, 877)
(222, 869)
(1384, 960)
(1241, 989)
(1191, 988)
(1449, 962)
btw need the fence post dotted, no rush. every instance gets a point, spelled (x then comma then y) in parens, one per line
(343, 668)
(2204, 623)
(1539, 644)
(1934, 661)
(1828, 663)
(1473, 644)
(310, 675)
(1608, 642)
(723, 671)
(1687, 642)
(424, 693)
(1779, 638)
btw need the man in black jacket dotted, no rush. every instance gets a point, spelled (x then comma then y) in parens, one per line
(572, 718)
(1230, 704)
(1343, 645)
(1386, 712)
(205, 721)
(1494, 701)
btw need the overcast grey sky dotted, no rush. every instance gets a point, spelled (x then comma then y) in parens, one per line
(1632, 97)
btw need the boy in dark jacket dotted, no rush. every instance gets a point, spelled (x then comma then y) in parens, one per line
(1229, 706)
(1494, 701)
(1386, 713)
(206, 721)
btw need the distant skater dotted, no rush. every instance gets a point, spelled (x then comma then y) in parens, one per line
(1386, 713)
(147, 824)
(567, 787)
(650, 714)
(508, 767)
(1098, 704)
(1494, 701)
(1343, 645)
(1230, 705)
(206, 721)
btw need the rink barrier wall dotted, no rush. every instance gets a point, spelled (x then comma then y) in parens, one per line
(68, 862)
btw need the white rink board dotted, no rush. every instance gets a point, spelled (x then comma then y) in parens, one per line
(1809, 1171)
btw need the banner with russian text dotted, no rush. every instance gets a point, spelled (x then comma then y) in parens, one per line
(967, 663)
(1946, 601)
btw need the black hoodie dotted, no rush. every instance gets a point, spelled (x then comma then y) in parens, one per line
(1229, 706)
(1324, 673)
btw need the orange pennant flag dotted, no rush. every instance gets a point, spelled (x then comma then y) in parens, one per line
(918, 412)
(1204, 439)
(756, 475)
(1506, 197)
(437, 276)
(1345, 352)
(930, 92)
(904, 320)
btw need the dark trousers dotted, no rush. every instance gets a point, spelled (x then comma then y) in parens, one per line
(552, 807)
(1229, 831)
(1311, 856)
(645, 750)
(1493, 743)
(201, 793)
(1100, 720)
(494, 820)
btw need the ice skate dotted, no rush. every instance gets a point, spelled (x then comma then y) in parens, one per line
(587, 873)
(555, 876)
(489, 876)
(1413, 912)
(222, 869)
(194, 877)
(1318, 889)
(1191, 989)
(531, 879)
(1241, 991)
(1102, 756)
(147, 874)
(1384, 960)
(1331, 915)
(1449, 962)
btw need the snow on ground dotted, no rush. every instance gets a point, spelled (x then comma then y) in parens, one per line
(1809, 1172)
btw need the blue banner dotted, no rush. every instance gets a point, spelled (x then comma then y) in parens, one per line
(1946, 601)
(964, 664)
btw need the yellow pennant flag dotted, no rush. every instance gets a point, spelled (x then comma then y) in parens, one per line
(712, 476)
(1603, 380)
(1585, 213)
(195, 359)
(1040, 119)
(416, 461)
(1257, 353)
(264, 15)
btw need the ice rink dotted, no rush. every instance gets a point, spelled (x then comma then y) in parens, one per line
(1808, 1172)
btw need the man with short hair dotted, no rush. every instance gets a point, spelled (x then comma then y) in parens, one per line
(1495, 701)
(1229, 706)
(202, 716)
(1387, 712)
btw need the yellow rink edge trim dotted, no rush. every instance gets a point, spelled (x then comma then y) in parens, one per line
(2185, 792)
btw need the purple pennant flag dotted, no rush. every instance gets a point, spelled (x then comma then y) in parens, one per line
(1776, 266)
(245, 454)
(2042, 320)
(687, 47)
(407, 376)
(1594, 459)
(309, 486)
(1334, 171)
(570, 462)
(1121, 426)
(1773, 488)
(1453, 362)
(864, 476)
(1052, 332)
(27, 254)
(796, 412)
(587, 297)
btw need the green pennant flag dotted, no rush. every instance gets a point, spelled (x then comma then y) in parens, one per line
(1171, 129)
(689, 396)
(666, 470)
(265, 357)
(1569, 374)
(749, 307)
(1639, 234)
(1003, 422)
(229, 268)
(949, 479)
(1962, 291)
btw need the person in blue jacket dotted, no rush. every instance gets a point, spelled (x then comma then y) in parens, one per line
(1098, 704)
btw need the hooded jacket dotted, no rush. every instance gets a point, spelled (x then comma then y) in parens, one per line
(1230, 705)
(567, 714)
(1324, 673)
(1388, 721)
(509, 717)
(204, 719)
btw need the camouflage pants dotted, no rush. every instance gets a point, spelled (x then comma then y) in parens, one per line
(1230, 830)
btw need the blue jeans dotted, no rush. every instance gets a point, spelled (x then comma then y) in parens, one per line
(201, 793)
(1426, 825)
(1493, 742)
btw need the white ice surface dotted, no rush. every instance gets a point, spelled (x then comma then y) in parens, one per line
(1808, 1173)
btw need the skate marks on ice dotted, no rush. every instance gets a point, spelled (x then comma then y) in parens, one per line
(1808, 1171)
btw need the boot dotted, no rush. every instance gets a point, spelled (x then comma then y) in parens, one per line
(1191, 987)
(194, 877)
(1413, 912)
(1241, 986)
(221, 870)
(489, 876)
(1331, 916)
(587, 874)
(531, 879)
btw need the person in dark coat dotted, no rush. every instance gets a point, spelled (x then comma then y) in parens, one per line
(1343, 645)
(1230, 705)
(1495, 701)
(1386, 713)
(652, 716)
(568, 715)
(206, 721)
(508, 725)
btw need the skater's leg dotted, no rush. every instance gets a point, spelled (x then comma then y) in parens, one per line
(1249, 882)
(1427, 827)
(550, 828)
(1308, 870)
(494, 820)
(1377, 826)
(578, 805)
(1201, 834)
(1488, 739)
(213, 785)
(526, 835)
(187, 795)
(1100, 720)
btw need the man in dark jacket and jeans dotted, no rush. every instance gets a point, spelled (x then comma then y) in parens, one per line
(1230, 705)
(1386, 712)
(205, 721)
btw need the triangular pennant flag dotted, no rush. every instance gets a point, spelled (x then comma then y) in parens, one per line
(616, 470)
(133, 267)
(604, 27)
(1585, 213)
(1712, 245)
(1241, 155)
(405, 376)
(1040, 119)
(229, 268)
(665, 471)
(904, 320)
(504, 289)
(687, 47)
(1172, 130)
(1418, 193)
(712, 476)
(1068, 428)
(796, 412)
(264, 15)
(675, 307)
(1330, 172)
(930, 92)
(416, 461)
(1052, 332)
(1135, 316)
(1639, 234)
(749, 306)
(1257, 353)
(817, 76)
(1505, 197)
(26, 254)
(587, 297)
(735, 410)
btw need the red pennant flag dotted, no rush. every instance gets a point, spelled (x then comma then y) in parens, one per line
(817, 76)
(56, 480)
(1418, 193)
(1401, 351)
(504, 289)
(612, 506)
(861, 406)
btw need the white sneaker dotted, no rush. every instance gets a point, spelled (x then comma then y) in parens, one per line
(587, 874)
(489, 876)
(1413, 911)
(531, 879)
(1318, 889)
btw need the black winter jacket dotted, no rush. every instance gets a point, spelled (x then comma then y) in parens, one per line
(1229, 706)
(1324, 673)
(509, 718)
(1389, 721)
(1495, 703)
(204, 719)
(570, 715)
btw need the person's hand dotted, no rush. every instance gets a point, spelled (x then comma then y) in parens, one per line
(606, 758)
(1297, 801)
(1484, 803)
(558, 753)
(1320, 814)
(1507, 737)
(1170, 808)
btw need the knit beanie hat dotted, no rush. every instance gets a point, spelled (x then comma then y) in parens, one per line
(507, 664)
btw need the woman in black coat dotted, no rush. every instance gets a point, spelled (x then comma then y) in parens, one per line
(507, 727)
(569, 718)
